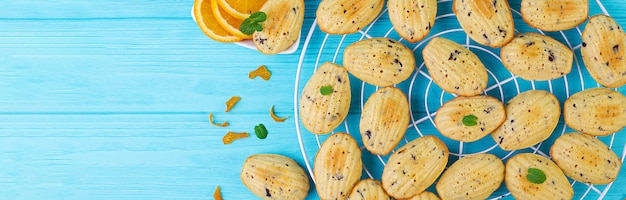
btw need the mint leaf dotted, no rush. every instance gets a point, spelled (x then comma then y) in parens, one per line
(535, 176)
(469, 120)
(257, 27)
(260, 131)
(258, 16)
(326, 90)
(252, 23)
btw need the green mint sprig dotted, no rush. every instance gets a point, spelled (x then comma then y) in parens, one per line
(253, 23)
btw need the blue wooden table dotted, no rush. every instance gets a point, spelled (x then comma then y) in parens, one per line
(110, 100)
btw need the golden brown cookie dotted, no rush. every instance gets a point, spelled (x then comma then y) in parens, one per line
(272, 176)
(282, 27)
(597, 111)
(487, 113)
(489, 23)
(384, 120)
(325, 99)
(379, 61)
(533, 56)
(604, 51)
(554, 15)
(337, 166)
(347, 16)
(412, 19)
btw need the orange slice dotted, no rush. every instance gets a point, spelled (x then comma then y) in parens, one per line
(241, 9)
(209, 25)
(228, 22)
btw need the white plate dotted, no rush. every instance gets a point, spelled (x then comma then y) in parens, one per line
(250, 45)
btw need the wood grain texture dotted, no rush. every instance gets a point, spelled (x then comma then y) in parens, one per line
(110, 100)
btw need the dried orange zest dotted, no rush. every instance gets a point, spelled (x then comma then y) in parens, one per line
(231, 102)
(262, 72)
(276, 118)
(223, 124)
(217, 195)
(232, 136)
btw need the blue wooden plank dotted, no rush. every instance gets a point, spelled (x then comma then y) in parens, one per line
(109, 100)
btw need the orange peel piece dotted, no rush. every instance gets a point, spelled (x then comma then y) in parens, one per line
(260, 72)
(231, 102)
(232, 136)
(276, 118)
(217, 195)
(223, 124)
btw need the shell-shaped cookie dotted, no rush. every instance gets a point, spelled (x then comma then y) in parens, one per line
(337, 166)
(489, 113)
(531, 117)
(454, 68)
(471, 177)
(585, 158)
(384, 120)
(554, 15)
(272, 176)
(604, 51)
(379, 61)
(282, 27)
(555, 186)
(426, 195)
(597, 111)
(347, 16)
(321, 113)
(414, 167)
(412, 19)
(533, 56)
(489, 23)
(368, 189)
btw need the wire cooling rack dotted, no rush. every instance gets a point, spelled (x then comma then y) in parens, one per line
(425, 97)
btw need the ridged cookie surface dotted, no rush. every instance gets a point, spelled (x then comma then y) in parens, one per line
(454, 68)
(426, 195)
(489, 113)
(471, 177)
(555, 186)
(347, 16)
(272, 176)
(585, 158)
(489, 23)
(384, 120)
(412, 19)
(282, 27)
(414, 167)
(597, 111)
(337, 166)
(533, 56)
(321, 113)
(554, 15)
(368, 189)
(531, 117)
(604, 51)
(379, 61)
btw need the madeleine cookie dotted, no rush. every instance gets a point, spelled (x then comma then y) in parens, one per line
(531, 117)
(532, 56)
(426, 195)
(337, 166)
(368, 189)
(489, 23)
(272, 176)
(347, 16)
(597, 111)
(454, 68)
(471, 177)
(281, 28)
(379, 61)
(554, 15)
(585, 158)
(482, 115)
(517, 174)
(412, 19)
(604, 51)
(325, 99)
(414, 167)
(384, 120)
